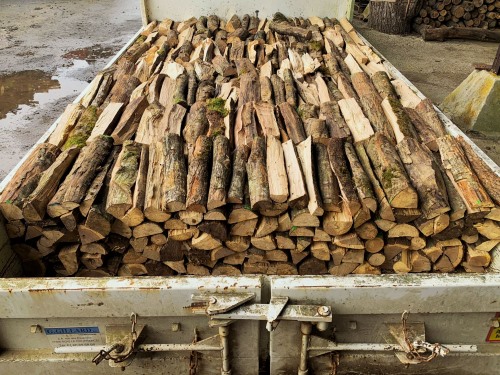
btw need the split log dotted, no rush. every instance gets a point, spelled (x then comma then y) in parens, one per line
(337, 127)
(338, 223)
(107, 121)
(361, 180)
(293, 123)
(338, 163)
(328, 185)
(123, 178)
(487, 177)
(66, 124)
(72, 191)
(284, 28)
(175, 173)
(425, 176)
(154, 199)
(135, 215)
(96, 227)
(463, 177)
(358, 124)
(390, 172)
(237, 186)
(198, 175)
(83, 128)
(277, 177)
(35, 204)
(298, 195)
(304, 150)
(257, 175)
(371, 103)
(129, 120)
(221, 170)
(425, 133)
(25, 180)
(99, 183)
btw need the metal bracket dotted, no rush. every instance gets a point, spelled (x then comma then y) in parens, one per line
(216, 303)
(121, 335)
(224, 309)
(276, 306)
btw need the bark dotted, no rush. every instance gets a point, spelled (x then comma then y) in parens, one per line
(123, 178)
(287, 29)
(278, 89)
(425, 176)
(135, 215)
(129, 120)
(76, 184)
(338, 162)
(196, 123)
(198, 177)
(304, 150)
(293, 123)
(360, 178)
(35, 205)
(175, 174)
(154, 200)
(371, 103)
(26, 179)
(221, 171)
(391, 173)
(236, 193)
(337, 127)
(463, 177)
(257, 175)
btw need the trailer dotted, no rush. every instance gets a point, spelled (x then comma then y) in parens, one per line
(358, 324)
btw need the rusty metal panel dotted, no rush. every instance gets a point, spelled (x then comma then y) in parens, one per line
(392, 294)
(30, 306)
(455, 310)
(111, 296)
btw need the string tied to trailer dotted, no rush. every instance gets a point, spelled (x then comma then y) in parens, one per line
(420, 350)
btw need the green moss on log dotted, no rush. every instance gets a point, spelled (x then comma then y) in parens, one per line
(79, 135)
(217, 105)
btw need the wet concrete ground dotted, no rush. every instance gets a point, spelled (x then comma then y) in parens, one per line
(49, 51)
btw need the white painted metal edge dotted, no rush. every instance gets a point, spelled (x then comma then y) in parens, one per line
(160, 9)
(49, 131)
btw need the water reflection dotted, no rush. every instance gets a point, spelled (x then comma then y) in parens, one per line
(21, 87)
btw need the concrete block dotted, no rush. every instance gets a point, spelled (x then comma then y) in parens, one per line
(475, 103)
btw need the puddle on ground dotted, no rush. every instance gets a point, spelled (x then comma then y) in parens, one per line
(90, 54)
(21, 92)
(21, 87)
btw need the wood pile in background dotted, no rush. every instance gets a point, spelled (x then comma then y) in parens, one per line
(483, 14)
(251, 146)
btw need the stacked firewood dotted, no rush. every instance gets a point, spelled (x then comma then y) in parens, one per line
(462, 13)
(251, 146)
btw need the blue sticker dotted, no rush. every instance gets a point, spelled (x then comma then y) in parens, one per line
(72, 331)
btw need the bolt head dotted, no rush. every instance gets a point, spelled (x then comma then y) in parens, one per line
(324, 310)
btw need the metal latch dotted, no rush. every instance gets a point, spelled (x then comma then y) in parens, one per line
(122, 342)
(223, 309)
(411, 338)
(405, 340)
